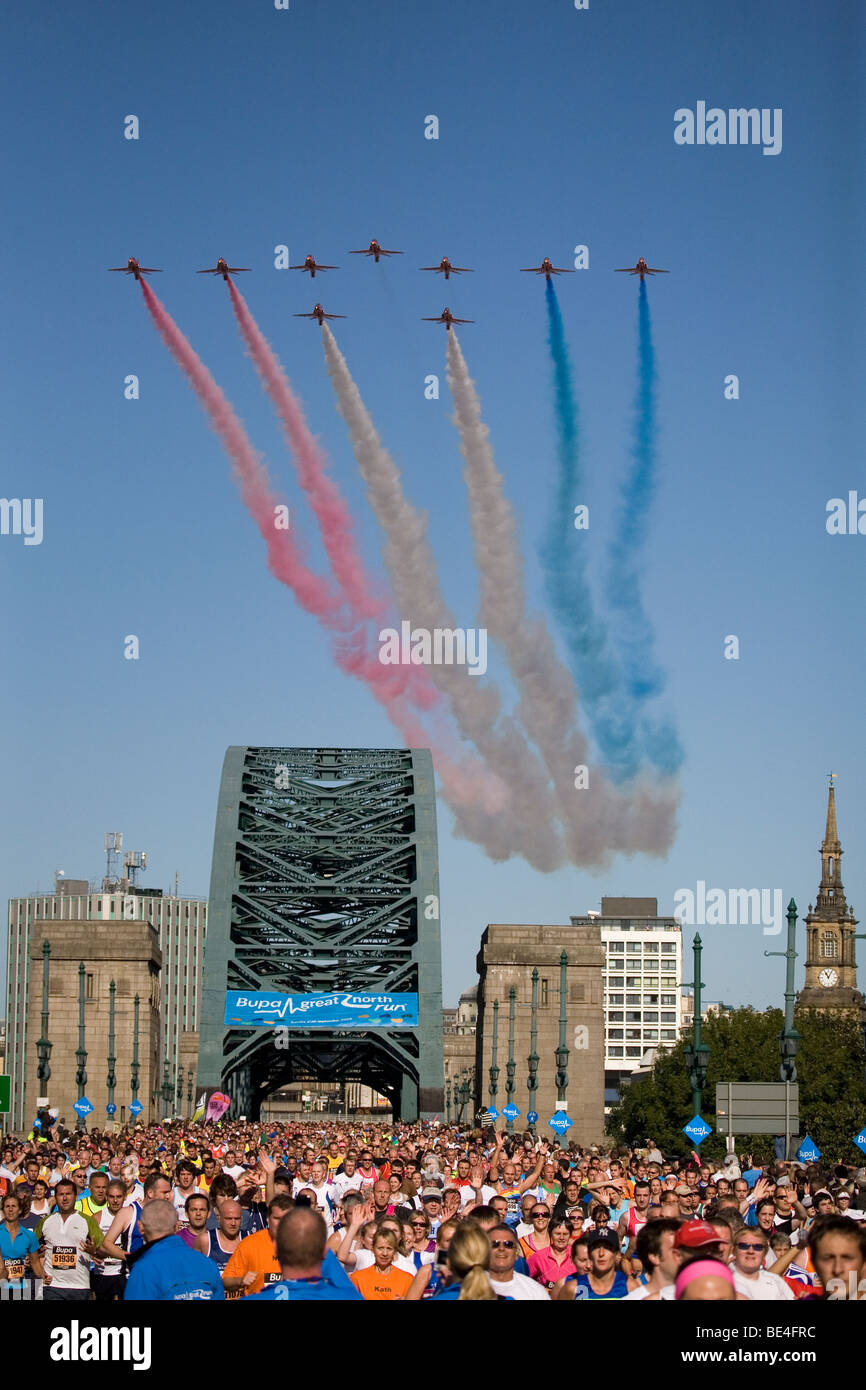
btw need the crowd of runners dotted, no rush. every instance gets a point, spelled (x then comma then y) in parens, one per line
(314, 1211)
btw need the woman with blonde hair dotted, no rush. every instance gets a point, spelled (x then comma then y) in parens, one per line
(469, 1261)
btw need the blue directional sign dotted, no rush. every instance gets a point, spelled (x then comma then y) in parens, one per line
(135, 1107)
(510, 1111)
(860, 1139)
(697, 1129)
(808, 1151)
(560, 1122)
(493, 1112)
(82, 1107)
(111, 1109)
(532, 1117)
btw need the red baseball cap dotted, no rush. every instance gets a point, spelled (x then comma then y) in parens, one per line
(696, 1233)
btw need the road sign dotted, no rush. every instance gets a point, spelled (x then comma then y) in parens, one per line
(859, 1139)
(111, 1109)
(510, 1111)
(560, 1122)
(82, 1107)
(532, 1117)
(135, 1107)
(749, 1107)
(493, 1112)
(808, 1151)
(697, 1130)
(5, 1094)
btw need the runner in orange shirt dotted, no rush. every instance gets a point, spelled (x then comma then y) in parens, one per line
(383, 1282)
(254, 1264)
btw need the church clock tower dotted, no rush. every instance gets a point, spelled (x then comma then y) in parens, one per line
(831, 972)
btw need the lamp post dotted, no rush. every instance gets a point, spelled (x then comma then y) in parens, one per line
(698, 1055)
(789, 1038)
(133, 1083)
(81, 1052)
(510, 1064)
(43, 1046)
(464, 1095)
(532, 1081)
(111, 1079)
(562, 1050)
(166, 1087)
(494, 1070)
(448, 1099)
(189, 1080)
(178, 1089)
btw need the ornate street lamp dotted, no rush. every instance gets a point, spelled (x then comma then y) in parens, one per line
(533, 1059)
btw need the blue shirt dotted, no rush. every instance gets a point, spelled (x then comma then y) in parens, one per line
(306, 1291)
(583, 1289)
(169, 1272)
(751, 1176)
(24, 1244)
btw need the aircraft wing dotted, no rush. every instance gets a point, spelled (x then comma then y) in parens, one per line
(383, 252)
(453, 320)
(305, 316)
(211, 270)
(233, 269)
(625, 270)
(331, 316)
(127, 268)
(531, 270)
(433, 267)
(461, 269)
(425, 319)
(562, 270)
(651, 271)
(366, 252)
(326, 267)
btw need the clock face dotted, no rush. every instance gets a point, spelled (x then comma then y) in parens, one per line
(828, 978)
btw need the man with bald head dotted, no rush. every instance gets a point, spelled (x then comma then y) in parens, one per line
(165, 1270)
(308, 1273)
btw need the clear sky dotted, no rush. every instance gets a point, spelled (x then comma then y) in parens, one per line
(306, 127)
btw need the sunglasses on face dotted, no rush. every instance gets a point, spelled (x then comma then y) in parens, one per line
(748, 1245)
(541, 1216)
(502, 1245)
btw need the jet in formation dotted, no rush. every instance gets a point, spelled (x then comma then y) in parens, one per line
(447, 269)
(640, 269)
(375, 250)
(319, 315)
(546, 269)
(447, 318)
(133, 268)
(221, 268)
(312, 265)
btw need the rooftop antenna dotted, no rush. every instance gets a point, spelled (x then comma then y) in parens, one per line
(134, 861)
(113, 846)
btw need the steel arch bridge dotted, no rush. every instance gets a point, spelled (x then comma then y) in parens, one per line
(325, 878)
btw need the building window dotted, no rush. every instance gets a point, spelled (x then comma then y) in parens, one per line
(652, 947)
(829, 944)
(88, 986)
(633, 1033)
(669, 1018)
(632, 981)
(616, 946)
(651, 1017)
(615, 1017)
(614, 999)
(651, 999)
(668, 948)
(633, 1052)
(669, 999)
(632, 1016)
(615, 1033)
(615, 1051)
(651, 1034)
(632, 999)
(669, 1033)
(544, 994)
(615, 981)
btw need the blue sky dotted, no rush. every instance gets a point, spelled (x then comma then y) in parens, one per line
(306, 127)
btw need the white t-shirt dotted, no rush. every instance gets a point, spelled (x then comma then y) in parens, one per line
(521, 1288)
(236, 1171)
(365, 1258)
(765, 1286)
(67, 1264)
(342, 1183)
(467, 1195)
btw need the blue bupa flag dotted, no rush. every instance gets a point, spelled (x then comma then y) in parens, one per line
(337, 1010)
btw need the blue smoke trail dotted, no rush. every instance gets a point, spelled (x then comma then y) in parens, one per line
(612, 696)
(643, 677)
(566, 583)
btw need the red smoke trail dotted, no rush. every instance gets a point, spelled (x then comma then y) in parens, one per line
(285, 561)
(332, 513)
(467, 785)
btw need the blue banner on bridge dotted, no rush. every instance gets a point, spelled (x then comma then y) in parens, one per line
(337, 1010)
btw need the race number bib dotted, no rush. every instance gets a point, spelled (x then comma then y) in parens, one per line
(64, 1257)
(14, 1269)
(273, 1278)
(233, 1294)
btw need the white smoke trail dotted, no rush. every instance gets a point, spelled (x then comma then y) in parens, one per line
(527, 825)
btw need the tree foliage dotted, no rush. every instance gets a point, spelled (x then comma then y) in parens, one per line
(744, 1046)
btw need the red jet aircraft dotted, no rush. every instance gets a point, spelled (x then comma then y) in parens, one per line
(447, 318)
(640, 269)
(222, 269)
(312, 265)
(319, 314)
(546, 269)
(375, 250)
(133, 268)
(446, 268)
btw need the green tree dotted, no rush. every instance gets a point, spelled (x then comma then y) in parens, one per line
(744, 1046)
